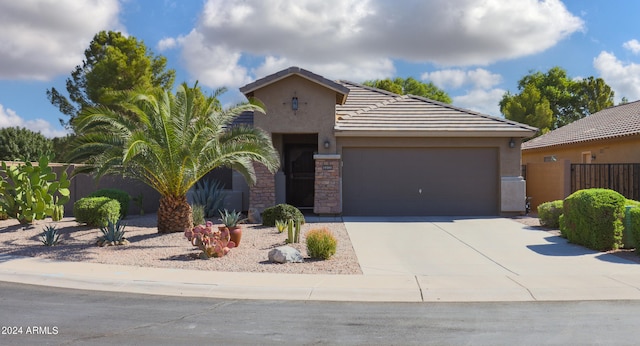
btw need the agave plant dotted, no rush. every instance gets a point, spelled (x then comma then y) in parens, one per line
(281, 225)
(230, 218)
(209, 194)
(50, 236)
(113, 234)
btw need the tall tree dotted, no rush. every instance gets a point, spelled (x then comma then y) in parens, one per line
(22, 144)
(410, 86)
(113, 62)
(169, 141)
(566, 99)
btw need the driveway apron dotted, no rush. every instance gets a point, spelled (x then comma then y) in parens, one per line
(436, 246)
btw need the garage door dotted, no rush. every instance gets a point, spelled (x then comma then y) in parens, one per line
(420, 181)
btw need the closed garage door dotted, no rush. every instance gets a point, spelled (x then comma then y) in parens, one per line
(420, 181)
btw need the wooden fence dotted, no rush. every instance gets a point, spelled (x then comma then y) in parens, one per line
(621, 177)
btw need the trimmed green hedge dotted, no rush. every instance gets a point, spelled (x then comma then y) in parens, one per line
(281, 212)
(121, 196)
(96, 211)
(549, 213)
(593, 218)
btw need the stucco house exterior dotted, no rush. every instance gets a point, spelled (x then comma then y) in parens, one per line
(350, 149)
(603, 141)
(611, 135)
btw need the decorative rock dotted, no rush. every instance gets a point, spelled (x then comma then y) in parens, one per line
(284, 254)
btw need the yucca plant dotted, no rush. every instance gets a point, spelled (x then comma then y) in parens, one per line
(113, 234)
(281, 225)
(50, 236)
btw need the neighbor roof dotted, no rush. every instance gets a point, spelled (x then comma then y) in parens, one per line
(373, 112)
(618, 121)
(341, 91)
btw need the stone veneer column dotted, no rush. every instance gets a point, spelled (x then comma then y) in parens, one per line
(263, 193)
(327, 196)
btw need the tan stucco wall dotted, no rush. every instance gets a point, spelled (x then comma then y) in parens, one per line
(548, 181)
(617, 150)
(315, 114)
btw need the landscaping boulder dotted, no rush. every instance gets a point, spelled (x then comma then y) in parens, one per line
(284, 254)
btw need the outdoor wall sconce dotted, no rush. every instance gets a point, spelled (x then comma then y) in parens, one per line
(327, 144)
(512, 143)
(294, 103)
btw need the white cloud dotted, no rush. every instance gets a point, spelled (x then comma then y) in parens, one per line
(168, 43)
(358, 39)
(482, 101)
(624, 78)
(633, 46)
(9, 118)
(457, 78)
(43, 38)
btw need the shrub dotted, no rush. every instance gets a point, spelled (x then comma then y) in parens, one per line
(321, 244)
(281, 212)
(549, 213)
(96, 211)
(593, 218)
(121, 196)
(634, 222)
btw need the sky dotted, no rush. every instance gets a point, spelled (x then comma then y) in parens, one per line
(476, 50)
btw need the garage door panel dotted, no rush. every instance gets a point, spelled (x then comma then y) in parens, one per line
(420, 181)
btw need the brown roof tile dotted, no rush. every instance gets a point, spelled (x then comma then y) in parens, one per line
(369, 110)
(618, 121)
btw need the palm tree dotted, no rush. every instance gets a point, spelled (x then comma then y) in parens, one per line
(169, 142)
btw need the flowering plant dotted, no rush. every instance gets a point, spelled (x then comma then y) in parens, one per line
(213, 243)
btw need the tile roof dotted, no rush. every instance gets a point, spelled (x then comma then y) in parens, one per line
(341, 91)
(373, 111)
(617, 121)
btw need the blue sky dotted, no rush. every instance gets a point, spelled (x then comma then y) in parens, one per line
(476, 50)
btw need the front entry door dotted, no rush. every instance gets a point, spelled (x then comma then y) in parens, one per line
(300, 173)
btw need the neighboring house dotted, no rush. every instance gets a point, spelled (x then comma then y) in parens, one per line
(610, 136)
(350, 149)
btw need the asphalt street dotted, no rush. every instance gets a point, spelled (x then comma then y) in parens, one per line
(55, 316)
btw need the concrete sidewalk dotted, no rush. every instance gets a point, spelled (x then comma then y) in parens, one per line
(403, 260)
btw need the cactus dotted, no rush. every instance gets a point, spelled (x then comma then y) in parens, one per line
(212, 243)
(58, 212)
(293, 228)
(32, 192)
(50, 236)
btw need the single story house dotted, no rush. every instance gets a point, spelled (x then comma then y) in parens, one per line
(595, 151)
(611, 135)
(349, 149)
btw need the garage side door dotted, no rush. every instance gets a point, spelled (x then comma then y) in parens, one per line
(420, 181)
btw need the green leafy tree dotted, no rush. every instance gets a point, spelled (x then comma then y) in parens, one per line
(410, 86)
(21, 144)
(169, 142)
(113, 62)
(566, 99)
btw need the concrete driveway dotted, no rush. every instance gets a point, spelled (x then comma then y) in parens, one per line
(488, 254)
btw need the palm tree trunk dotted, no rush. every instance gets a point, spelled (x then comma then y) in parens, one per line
(174, 214)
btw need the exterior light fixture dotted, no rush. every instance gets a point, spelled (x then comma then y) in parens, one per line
(294, 103)
(327, 144)
(512, 143)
